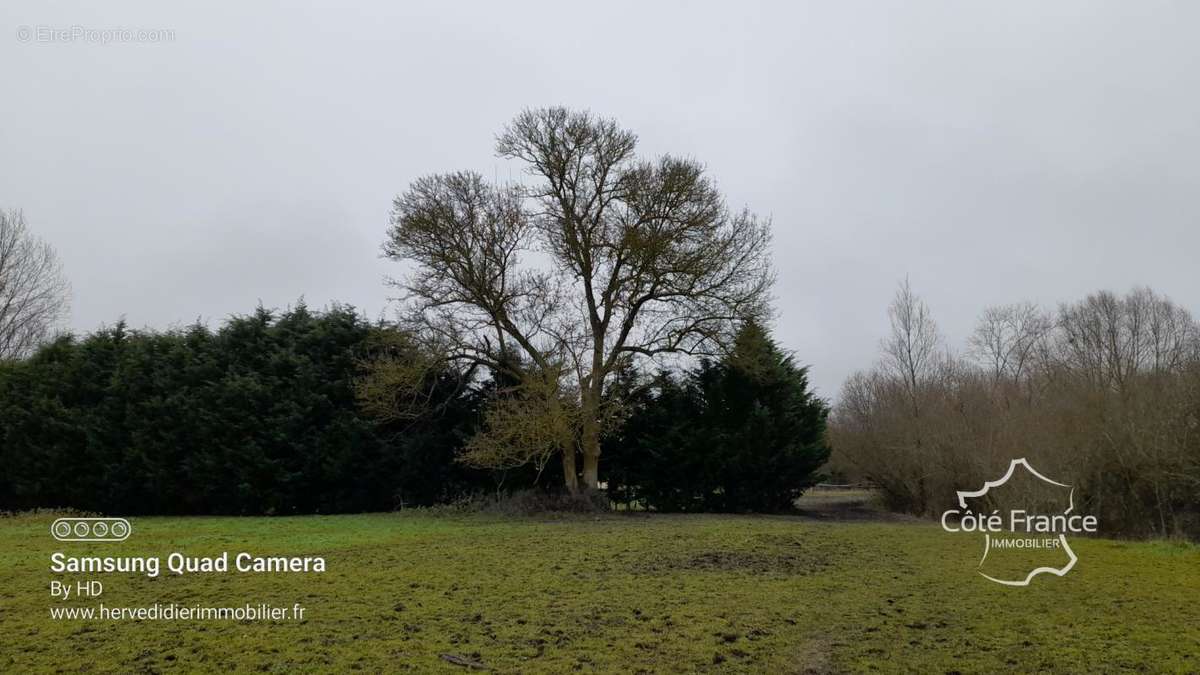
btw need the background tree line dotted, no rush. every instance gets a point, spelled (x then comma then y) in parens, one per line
(257, 417)
(265, 416)
(1103, 393)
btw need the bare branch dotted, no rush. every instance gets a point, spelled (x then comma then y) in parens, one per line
(33, 291)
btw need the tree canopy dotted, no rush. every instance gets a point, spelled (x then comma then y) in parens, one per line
(603, 258)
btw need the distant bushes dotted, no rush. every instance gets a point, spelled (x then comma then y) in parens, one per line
(1103, 394)
(742, 434)
(256, 417)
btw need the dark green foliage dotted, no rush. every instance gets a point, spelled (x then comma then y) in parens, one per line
(744, 434)
(260, 417)
(257, 417)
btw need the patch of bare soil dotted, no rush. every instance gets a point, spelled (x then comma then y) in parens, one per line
(812, 658)
(766, 554)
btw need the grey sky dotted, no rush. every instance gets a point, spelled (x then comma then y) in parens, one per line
(992, 152)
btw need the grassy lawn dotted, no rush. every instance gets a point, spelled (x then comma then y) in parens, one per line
(621, 593)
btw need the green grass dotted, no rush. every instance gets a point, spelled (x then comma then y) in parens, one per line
(621, 593)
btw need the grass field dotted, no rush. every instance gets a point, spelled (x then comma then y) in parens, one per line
(619, 593)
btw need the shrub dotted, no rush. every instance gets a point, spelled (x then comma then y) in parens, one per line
(742, 434)
(259, 417)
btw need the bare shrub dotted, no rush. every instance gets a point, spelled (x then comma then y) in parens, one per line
(1104, 394)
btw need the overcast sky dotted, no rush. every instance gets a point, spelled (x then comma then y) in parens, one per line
(990, 151)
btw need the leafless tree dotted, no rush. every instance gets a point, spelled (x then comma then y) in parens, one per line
(601, 259)
(912, 350)
(1110, 402)
(1007, 338)
(33, 290)
(1110, 340)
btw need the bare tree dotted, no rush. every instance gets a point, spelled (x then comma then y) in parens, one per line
(1110, 340)
(604, 258)
(33, 290)
(1007, 337)
(1110, 402)
(912, 350)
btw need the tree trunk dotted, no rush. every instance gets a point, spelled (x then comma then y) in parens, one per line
(591, 462)
(589, 443)
(570, 477)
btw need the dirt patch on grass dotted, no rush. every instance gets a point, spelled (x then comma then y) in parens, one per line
(764, 554)
(743, 561)
(812, 657)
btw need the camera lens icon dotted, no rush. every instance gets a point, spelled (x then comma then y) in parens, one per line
(91, 529)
